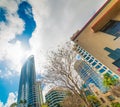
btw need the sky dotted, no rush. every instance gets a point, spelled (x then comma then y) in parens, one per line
(33, 27)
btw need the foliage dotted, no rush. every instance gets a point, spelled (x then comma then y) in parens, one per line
(44, 105)
(115, 104)
(113, 84)
(13, 105)
(93, 100)
(109, 80)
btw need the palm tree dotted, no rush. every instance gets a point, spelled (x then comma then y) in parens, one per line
(93, 100)
(115, 104)
(113, 84)
(13, 105)
(22, 102)
(109, 81)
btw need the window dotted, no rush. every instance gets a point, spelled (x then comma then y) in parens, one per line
(109, 72)
(102, 70)
(90, 60)
(102, 100)
(115, 76)
(94, 63)
(98, 66)
(117, 63)
(87, 58)
(110, 97)
(112, 28)
(84, 56)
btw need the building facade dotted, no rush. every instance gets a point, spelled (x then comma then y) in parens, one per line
(98, 41)
(55, 96)
(88, 75)
(39, 93)
(27, 94)
(106, 99)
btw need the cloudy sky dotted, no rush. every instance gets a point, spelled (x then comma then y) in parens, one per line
(34, 27)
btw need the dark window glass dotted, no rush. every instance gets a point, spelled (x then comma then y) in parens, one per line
(90, 60)
(110, 97)
(87, 58)
(101, 70)
(84, 56)
(117, 63)
(112, 28)
(94, 63)
(102, 100)
(98, 66)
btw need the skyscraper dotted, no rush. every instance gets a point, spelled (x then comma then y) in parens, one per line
(27, 96)
(98, 41)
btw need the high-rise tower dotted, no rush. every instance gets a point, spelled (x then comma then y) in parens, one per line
(27, 96)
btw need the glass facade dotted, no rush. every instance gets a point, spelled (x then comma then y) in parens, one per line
(27, 87)
(94, 63)
(88, 75)
(112, 28)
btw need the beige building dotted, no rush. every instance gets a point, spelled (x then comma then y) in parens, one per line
(98, 41)
(106, 99)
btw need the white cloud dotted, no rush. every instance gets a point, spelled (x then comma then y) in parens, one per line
(56, 21)
(11, 52)
(12, 98)
(1, 104)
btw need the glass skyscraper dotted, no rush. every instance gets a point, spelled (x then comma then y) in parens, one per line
(27, 87)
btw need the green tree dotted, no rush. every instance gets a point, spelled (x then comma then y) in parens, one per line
(115, 104)
(109, 81)
(93, 100)
(13, 105)
(44, 105)
(22, 102)
(113, 84)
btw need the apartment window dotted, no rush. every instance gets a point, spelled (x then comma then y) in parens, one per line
(94, 63)
(102, 100)
(110, 97)
(112, 28)
(82, 53)
(87, 58)
(91, 60)
(102, 70)
(115, 76)
(109, 72)
(98, 66)
(84, 56)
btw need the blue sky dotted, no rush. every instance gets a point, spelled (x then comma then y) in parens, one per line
(33, 27)
(24, 12)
